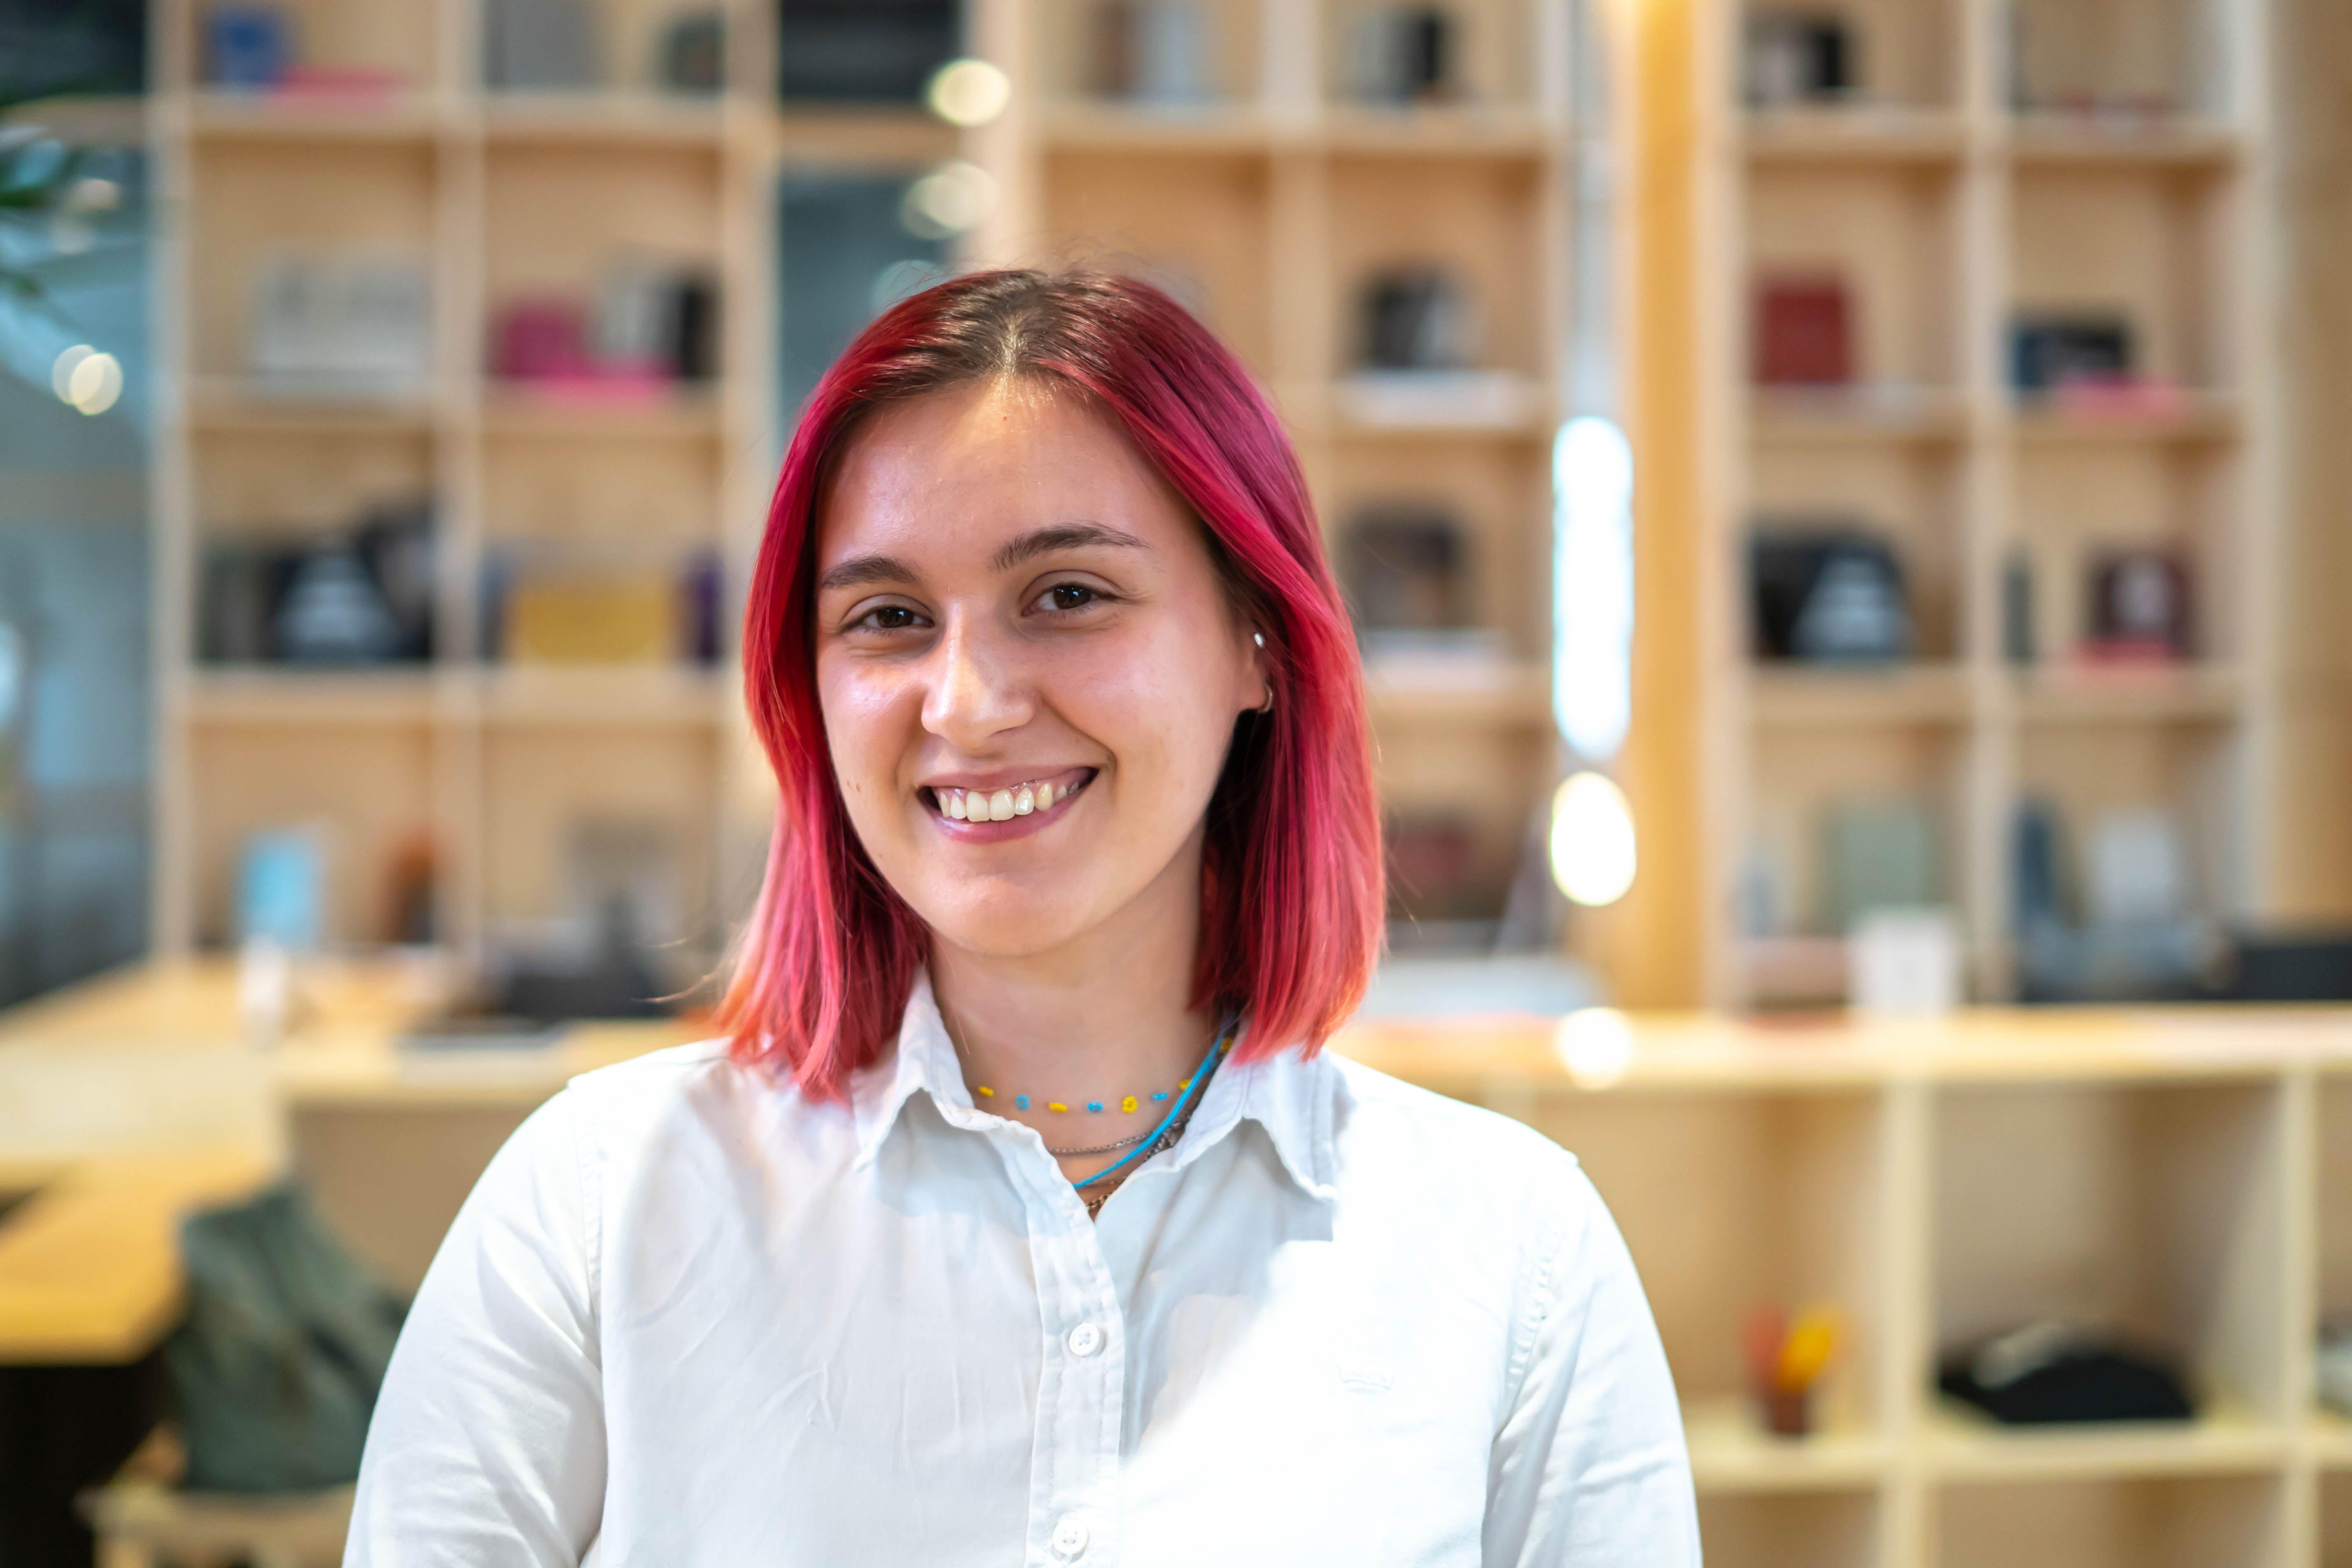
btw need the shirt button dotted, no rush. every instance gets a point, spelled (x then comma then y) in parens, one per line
(1070, 1535)
(1083, 1340)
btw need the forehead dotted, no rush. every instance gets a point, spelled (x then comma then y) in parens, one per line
(955, 473)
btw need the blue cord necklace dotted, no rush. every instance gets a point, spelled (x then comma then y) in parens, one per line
(1194, 1087)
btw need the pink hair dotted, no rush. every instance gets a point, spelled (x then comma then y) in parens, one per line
(1291, 895)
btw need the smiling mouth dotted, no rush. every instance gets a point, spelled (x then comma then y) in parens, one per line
(1024, 799)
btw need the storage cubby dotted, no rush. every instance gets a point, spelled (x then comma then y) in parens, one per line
(364, 786)
(1898, 53)
(1189, 59)
(1733, 1201)
(2146, 246)
(2121, 56)
(656, 490)
(334, 47)
(2097, 768)
(578, 814)
(1496, 488)
(1476, 221)
(1886, 236)
(2081, 502)
(1459, 793)
(1491, 55)
(1196, 223)
(2158, 1212)
(559, 220)
(322, 204)
(1850, 795)
(1799, 1529)
(1909, 494)
(2205, 1522)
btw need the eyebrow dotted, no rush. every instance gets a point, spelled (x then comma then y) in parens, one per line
(863, 569)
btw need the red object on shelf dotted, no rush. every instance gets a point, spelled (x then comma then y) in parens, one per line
(1804, 334)
(536, 340)
(367, 85)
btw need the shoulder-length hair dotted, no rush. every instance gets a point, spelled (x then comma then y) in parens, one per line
(1291, 895)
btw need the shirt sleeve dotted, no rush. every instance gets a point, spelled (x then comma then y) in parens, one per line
(1588, 1469)
(487, 1445)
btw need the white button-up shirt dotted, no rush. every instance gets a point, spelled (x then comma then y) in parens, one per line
(690, 1317)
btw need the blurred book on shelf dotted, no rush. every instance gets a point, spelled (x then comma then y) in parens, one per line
(2139, 607)
(1796, 57)
(647, 327)
(349, 326)
(1804, 331)
(583, 605)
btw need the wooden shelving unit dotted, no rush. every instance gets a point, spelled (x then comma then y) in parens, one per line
(1269, 202)
(2181, 1176)
(1948, 201)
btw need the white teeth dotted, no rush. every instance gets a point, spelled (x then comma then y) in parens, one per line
(1000, 806)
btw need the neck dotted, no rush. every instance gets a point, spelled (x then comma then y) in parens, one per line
(1102, 1016)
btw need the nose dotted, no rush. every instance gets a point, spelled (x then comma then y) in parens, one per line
(978, 690)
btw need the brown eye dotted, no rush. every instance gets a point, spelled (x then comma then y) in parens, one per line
(1071, 596)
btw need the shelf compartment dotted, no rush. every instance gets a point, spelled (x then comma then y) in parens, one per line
(1890, 233)
(1728, 1201)
(1912, 496)
(2157, 1211)
(1803, 777)
(2121, 62)
(2151, 246)
(2183, 768)
(1479, 221)
(365, 783)
(2095, 694)
(321, 201)
(609, 118)
(253, 696)
(1497, 494)
(552, 782)
(2048, 139)
(397, 40)
(2154, 1522)
(1197, 223)
(2078, 502)
(1819, 1530)
(1072, 53)
(1495, 49)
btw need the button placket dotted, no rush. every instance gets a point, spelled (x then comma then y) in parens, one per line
(1070, 1536)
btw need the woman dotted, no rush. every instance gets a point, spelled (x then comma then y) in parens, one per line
(1017, 1218)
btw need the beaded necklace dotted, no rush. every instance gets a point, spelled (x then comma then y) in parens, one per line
(1170, 1127)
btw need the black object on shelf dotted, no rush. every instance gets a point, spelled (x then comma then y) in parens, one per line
(1417, 319)
(1404, 55)
(2312, 965)
(1831, 593)
(2017, 608)
(2040, 891)
(1796, 57)
(864, 51)
(2049, 1373)
(2048, 351)
(694, 53)
(359, 597)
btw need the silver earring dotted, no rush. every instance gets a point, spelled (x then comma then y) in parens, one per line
(1258, 637)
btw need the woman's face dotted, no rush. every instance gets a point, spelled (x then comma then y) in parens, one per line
(1028, 668)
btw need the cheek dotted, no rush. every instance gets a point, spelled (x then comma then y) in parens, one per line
(1157, 703)
(865, 714)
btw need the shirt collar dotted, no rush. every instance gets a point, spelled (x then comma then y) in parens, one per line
(1290, 1096)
